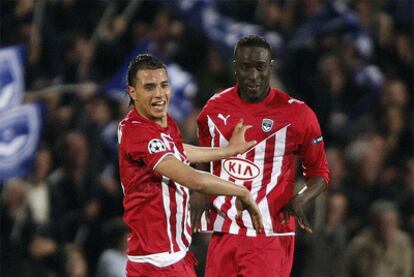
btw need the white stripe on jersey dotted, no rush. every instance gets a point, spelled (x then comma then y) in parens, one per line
(232, 212)
(259, 158)
(179, 199)
(211, 128)
(278, 154)
(166, 202)
(219, 201)
(279, 150)
(184, 221)
(182, 215)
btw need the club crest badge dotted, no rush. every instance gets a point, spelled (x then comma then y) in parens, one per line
(267, 125)
(155, 146)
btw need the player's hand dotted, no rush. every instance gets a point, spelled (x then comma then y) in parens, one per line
(295, 208)
(199, 204)
(237, 143)
(247, 202)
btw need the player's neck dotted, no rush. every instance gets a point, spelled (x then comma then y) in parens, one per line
(252, 100)
(162, 121)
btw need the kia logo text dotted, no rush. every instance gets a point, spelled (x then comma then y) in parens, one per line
(241, 169)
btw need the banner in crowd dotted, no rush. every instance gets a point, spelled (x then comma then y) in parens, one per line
(182, 83)
(20, 130)
(11, 76)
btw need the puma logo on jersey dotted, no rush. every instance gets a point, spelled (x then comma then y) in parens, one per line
(224, 118)
(241, 169)
(293, 100)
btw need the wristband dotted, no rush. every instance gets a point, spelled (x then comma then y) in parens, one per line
(302, 190)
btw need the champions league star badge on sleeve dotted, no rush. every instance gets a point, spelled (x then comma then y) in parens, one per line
(155, 146)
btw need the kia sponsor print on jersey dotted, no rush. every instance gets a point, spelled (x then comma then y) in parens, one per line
(241, 169)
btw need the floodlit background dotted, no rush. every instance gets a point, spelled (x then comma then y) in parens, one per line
(62, 93)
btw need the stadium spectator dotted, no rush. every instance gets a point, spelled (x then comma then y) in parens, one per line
(39, 195)
(112, 261)
(17, 228)
(330, 238)
(381, 249)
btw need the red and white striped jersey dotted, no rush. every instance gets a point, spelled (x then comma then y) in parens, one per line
(155, 208)
(283, 128)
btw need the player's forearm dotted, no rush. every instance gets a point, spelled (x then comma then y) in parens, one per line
(197, 154)
(314, 186)
(196, 180)
(210, 184)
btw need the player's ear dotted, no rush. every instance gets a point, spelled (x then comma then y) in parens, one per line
(131, 92)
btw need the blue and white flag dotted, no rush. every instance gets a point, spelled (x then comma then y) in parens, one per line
(334, 18)
(182, 83)
(11, 76)
(20, 129)
(222, 30)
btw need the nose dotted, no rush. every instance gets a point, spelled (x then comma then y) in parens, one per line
(253, 74)
(159, 91)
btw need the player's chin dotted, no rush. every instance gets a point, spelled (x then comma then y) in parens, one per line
(159, 115)
(254, 95)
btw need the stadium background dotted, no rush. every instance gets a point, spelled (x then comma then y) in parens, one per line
(350, 60)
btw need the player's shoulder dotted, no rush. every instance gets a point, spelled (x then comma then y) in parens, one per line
(135, 128)
(295, 108)
(132, 122)
(218, 101)
(284, 99)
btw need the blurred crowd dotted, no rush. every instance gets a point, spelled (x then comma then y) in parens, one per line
(350, 60)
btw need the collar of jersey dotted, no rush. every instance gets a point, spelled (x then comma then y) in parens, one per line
(265, 101)
(135, 115)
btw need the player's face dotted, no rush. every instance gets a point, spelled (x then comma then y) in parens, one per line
(151, 94)
(253, 67)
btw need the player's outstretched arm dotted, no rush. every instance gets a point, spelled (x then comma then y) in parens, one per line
(237, 144)
(206, 183)
(314, 186)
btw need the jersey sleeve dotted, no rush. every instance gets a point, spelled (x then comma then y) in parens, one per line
(312, 149)
(145, 146)
(203, 133)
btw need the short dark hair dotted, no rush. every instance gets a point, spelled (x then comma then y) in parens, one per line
(142, 61)
(252, 41)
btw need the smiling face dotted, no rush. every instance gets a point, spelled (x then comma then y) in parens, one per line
(151, 94)
(253, 67)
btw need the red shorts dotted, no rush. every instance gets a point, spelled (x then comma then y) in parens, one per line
(182, 268)
(241, 256)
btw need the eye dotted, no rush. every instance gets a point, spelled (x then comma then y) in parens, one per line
(261, 67)
(149, 87)
(165, 85)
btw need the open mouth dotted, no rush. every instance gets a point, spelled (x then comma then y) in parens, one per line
(159, 105)
(253, 87)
